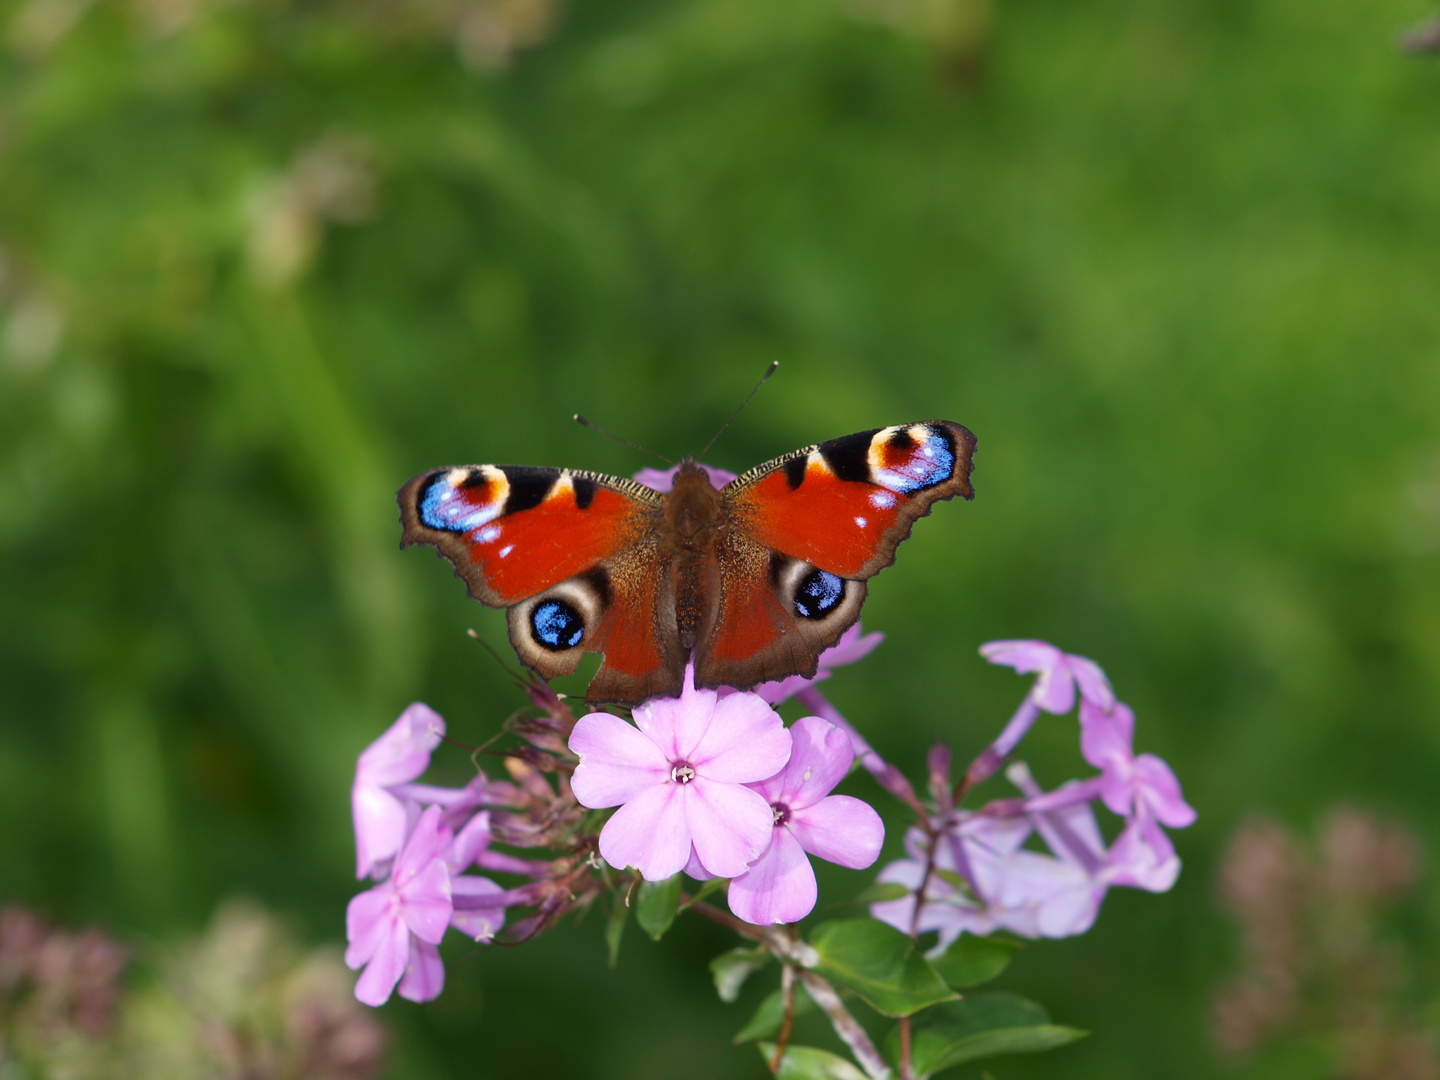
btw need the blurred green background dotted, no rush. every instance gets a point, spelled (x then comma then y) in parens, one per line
(1175, 262)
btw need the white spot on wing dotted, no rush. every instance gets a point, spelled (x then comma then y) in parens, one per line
(506, 550)
(861, 522)
(488, 535)
(882, 500)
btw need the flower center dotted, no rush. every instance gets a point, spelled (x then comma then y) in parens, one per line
(782, 813)
(682, 772)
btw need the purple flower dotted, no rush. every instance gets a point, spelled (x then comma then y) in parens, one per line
(397, 757)
(393, 928)
(982, 880)
(780, 887)
(1143, 789)
(679, 779)
(853, 645)
(664, 479)
(1060, 673)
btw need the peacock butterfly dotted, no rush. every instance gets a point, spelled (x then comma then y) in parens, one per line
(755, 579)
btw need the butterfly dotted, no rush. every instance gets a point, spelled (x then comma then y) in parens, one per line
(753, 580)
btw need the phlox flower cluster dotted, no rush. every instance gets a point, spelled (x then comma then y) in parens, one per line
(969, 869)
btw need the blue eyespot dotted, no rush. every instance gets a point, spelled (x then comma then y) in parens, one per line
(556, 625)
(817, 594)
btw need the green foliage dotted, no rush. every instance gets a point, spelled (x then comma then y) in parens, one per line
(771, 1014)
(656, 903)
(879, 963)
(731, 969)
(809, 1063)
(980, 1026)
(971, 960)
(615, 931)
(1174, 263)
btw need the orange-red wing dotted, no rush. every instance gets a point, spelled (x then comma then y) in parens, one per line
(515, 531)
(807, 530)
(571, 555)
(845, 505)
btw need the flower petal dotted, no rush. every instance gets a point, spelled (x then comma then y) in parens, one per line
(1044, 897)
(1162, 792)
(379, 826)
(1089, 676)
(403, 752)
(729, 824)
(779, 887)
(367, 921)
(1023, 656)
(820, 757)
(746, 742)
(617, 761)
(677, 724)
(1106, 736)
(424, 974)
(840, 829)
(425, 902)
(649, 833)
(1054, 689)
(694, 869)
(1140, 863)
(664, 479)
(469, 843)
(426, 845)
(481, 924)
(377, 981)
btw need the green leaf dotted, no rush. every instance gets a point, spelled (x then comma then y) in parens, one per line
(768, 1017)
(982, 1025)
(808, 1063)
(615, 929)
(880, 964)
(731, 969)
(972, 960)
(656, 905)
(882, 891)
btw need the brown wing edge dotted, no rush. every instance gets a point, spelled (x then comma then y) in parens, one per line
(450, 546)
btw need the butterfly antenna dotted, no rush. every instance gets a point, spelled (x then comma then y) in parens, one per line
(768, 372)
(596, 427)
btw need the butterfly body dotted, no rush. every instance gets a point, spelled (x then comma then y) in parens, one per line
(753, 580)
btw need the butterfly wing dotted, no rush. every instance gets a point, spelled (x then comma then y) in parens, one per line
(574, 558)
(807, 530)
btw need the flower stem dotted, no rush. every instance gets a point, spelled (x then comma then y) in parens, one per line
(907, 1070)
(724, 918)
(846, 1026)
(787, 994)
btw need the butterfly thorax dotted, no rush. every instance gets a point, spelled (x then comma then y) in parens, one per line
(692, 520)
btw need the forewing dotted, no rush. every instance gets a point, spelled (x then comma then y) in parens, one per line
(572, 555)
(845, 505)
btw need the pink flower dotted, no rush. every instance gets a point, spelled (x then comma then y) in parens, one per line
(664, 479)
(397, 757)
(393, 928)
(853, 645)
(1143, 789)
(679, 779)
(779, 887)
(1005, 886)
(1060, 673)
